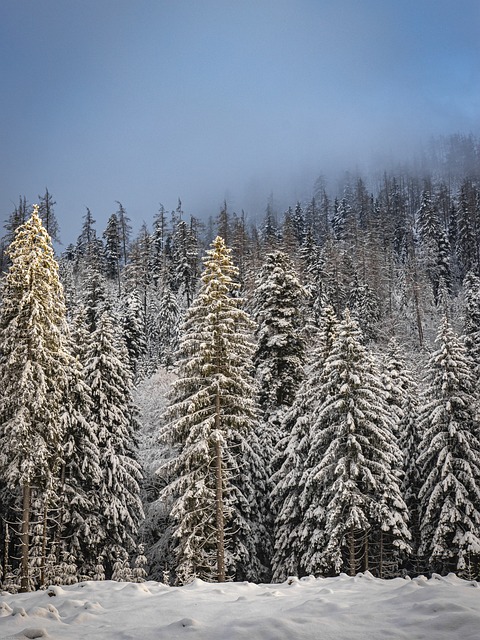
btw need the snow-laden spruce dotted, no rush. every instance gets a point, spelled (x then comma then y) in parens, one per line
(114, 416)
(450, 460)
(217, 474)
(167, 321)
(133, 330)
(291, 453)
(33, 374)
(278, 309)
(402, 398)
(351, 496)
(80, 473)
(471, 320)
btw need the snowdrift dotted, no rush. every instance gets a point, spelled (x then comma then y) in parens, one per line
(340, 608)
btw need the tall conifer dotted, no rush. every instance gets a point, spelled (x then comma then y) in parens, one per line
(212, 422)
(34, 363)
(450, 459)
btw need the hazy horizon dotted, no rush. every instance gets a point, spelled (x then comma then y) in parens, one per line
(150, 101)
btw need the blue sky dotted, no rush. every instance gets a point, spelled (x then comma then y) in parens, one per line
(146, 101)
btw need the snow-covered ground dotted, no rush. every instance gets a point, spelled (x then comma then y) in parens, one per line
(341, 608)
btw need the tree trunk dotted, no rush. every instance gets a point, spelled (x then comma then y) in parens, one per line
(418, 314)
(352, 551)
(220, 522)
(365, 561)
(44, 546)
(219, 498)
(6, 551)
(416, 296)
(380, 562)
(24, 586)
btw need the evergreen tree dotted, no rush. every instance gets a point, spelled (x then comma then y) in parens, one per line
(278, 303)
(99, 569)
(133, 329)
(299, 224)
(80, 473)
(47, 215)
(94, 295)
(185, 258)
(52, 567)
(270, 232)
(351, 489)
(121, 567)
(168, 327)
(139, 573)
(365, 308)
(67, 571)
(468, 227)
(291, 453)
(278, 308)
(450, 460)
(224, 223)
(112, 244)
(18, 217)
(471, 320)
(289, 241)
(241, 246)
(212, 423)
(401, 389)
(87, 242)
(125, 230)
(34, 362)
(159, 240)
(114, 416)
(138, 273)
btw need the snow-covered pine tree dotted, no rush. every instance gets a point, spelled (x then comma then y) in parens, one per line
(168, 326)
(450, 459)
(33, 372)
(114, 416)
(37, 558)
(112, 244)
(159, 239)
(468, 227)
(278, 308)
(52, 567)
(89, 247)
(67, 571)
(99, 573)
(121, 567)
(125, 231)
(138, 272)
(80, 472)
(365, 308)
(291, 453)
(270, 233)
(18, 217)
(435, 248)
(185, 260)
(94, 293)
(471, 319)
(133, 329)
(402, 391)
(139, 573)
(311, 264)
(351, 489)
(212, 422)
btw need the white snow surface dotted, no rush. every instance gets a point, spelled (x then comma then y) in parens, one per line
(340, 608)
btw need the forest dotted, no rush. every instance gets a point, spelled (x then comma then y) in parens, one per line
(247, 399)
